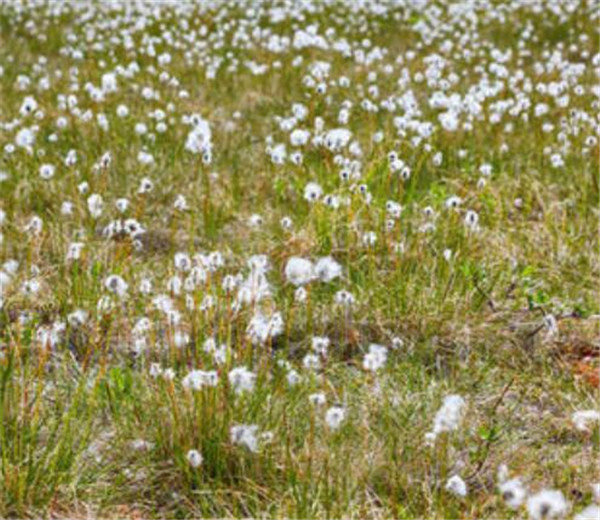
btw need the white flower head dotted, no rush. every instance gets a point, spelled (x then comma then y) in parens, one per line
(327, 269)
(513, 492)
(29, 106)
(317, 399)
(300, 295)
(180, 203)
(262, 328)
(122, 204)
(375, 358)
(584, 420)
(472, 220)
(311, 362)
(397, 343)
(591, 512)
(335, 416)
(77, 318)
(449, 416)
(453, 202)
(245, 435)
(547, 504)
(47, 171)
(299, 271)
(74, 251)
(198, 379)
(194, 458)
(313, 192)
(319, 345)
(344, 298)
(293, 377)
(146, 186)
(286, 223)
(95, 205)
(457, 486)
(115, 284)
(199, 139)
(242, 380)
(155, 370)
(551, 325)
(182, 261)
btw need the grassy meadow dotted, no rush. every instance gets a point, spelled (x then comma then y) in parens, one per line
(299, 259)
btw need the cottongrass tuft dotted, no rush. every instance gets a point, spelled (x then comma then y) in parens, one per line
(335, 416)
(547, 504)
(194, 458)
(457, 486)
